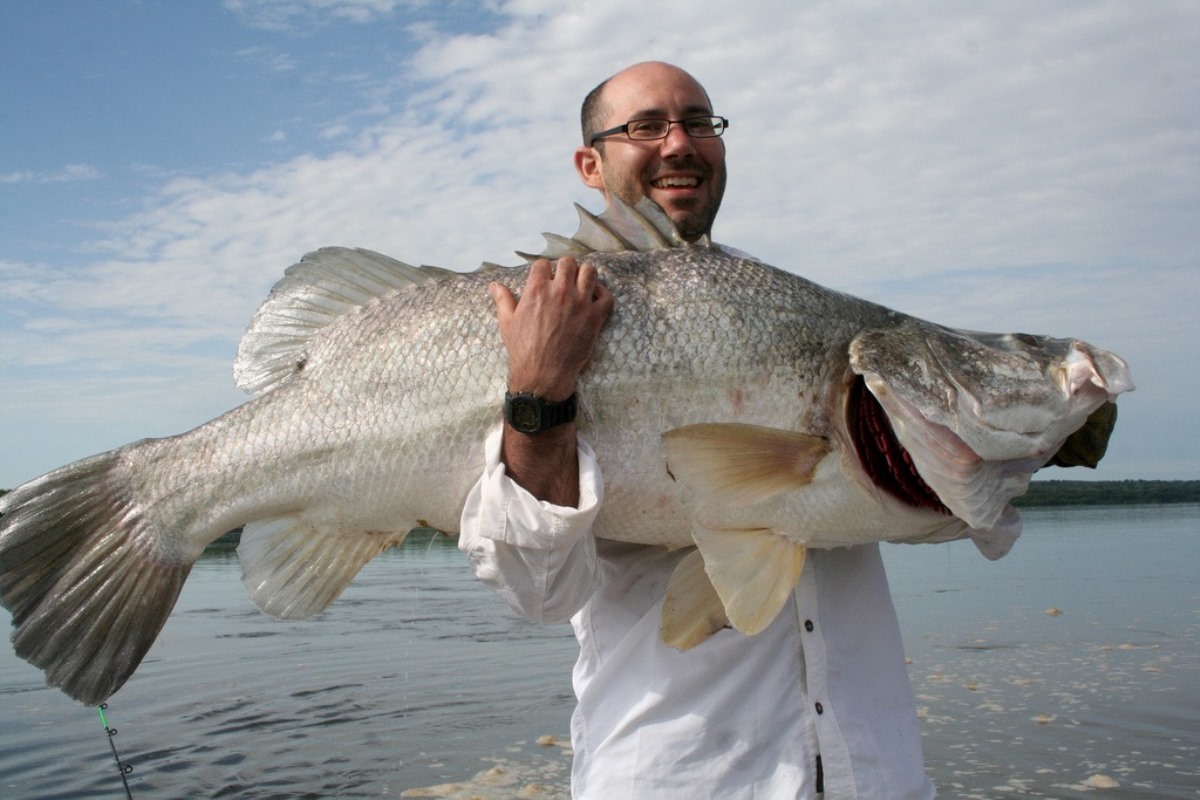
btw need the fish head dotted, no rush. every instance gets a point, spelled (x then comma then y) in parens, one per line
(976, 414)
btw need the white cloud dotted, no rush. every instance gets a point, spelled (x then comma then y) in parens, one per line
(284, 14)
(335, 131)
(998, 165)
(67, 174)
(269, 58)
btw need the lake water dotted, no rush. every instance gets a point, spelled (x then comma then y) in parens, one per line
(1070, 668)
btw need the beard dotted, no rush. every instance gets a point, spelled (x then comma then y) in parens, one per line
(694, 223)
(694, 217)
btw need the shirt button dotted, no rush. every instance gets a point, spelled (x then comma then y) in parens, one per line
(820, 708)
(808, 626)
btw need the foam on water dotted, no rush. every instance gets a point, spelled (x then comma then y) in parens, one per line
(419, 680)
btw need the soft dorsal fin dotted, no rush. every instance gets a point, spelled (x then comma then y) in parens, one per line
(620, 227)
(323, 286)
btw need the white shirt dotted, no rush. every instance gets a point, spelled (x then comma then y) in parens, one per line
(735, 717)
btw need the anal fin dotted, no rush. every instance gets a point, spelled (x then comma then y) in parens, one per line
(692, 610)
(294, 570)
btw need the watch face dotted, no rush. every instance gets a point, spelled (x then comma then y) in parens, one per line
(525, 414)
(530, 414)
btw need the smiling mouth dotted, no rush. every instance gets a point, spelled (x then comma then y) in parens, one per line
(676, 182)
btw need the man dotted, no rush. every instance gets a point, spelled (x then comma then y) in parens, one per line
(817, 702)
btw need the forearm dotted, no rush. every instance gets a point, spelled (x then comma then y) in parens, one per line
(545, 465)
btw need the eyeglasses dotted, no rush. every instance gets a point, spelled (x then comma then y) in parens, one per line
(648, 129)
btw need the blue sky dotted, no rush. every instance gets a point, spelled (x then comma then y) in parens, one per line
(992, 165)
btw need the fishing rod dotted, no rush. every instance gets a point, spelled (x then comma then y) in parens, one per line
(123, 768)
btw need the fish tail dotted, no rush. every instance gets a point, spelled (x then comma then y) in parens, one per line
(87, 583)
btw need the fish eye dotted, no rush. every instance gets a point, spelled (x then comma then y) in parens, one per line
(1026, 338)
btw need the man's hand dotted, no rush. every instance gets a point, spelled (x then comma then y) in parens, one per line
(551, 332)
(550, 335)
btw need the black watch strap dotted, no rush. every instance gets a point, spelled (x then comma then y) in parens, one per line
(529, 414)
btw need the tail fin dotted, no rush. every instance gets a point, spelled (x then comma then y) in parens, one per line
(80, 572)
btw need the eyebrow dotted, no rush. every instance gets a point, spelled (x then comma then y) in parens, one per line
(661, 113)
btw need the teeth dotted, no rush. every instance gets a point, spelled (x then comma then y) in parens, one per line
(676, 181)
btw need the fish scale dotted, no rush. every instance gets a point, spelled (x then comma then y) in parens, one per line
(721, 404)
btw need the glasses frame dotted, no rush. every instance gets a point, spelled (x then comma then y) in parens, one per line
(625, 129)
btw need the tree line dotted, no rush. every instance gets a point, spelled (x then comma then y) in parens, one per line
(1108, 493)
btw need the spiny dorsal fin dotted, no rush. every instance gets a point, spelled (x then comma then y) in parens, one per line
(323, 286)
(597, 234)
(643, 227)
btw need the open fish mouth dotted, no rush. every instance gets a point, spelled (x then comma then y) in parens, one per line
(891, 468)
(884, 460)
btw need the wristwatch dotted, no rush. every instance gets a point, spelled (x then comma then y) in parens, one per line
(529, 414)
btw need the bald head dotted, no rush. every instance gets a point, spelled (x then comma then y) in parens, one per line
(592, 114)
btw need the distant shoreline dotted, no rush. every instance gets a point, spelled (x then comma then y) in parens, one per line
(1108, 493)
(1098, 493)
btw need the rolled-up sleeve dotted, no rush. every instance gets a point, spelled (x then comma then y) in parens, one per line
(539, 557)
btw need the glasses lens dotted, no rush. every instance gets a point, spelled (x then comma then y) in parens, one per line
(648, 129)
(704, 127)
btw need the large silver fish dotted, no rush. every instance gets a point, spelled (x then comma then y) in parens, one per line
(732, 406)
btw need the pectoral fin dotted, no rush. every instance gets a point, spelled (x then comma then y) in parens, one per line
(753, 572)
(692, 610)
(742, 464)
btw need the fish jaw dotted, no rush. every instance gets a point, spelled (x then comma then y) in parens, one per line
(973, 489)
(979, 413)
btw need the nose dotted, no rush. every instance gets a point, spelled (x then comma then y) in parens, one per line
(677, 142)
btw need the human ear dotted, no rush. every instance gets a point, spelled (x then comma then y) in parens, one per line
(587, 164)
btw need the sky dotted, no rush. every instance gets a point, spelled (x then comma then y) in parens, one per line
(1007, 166)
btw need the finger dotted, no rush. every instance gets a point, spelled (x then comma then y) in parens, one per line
(504, 300)
(565, 271)
(591, 286)
(602, 299)
(585, 279)
(540, 271)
